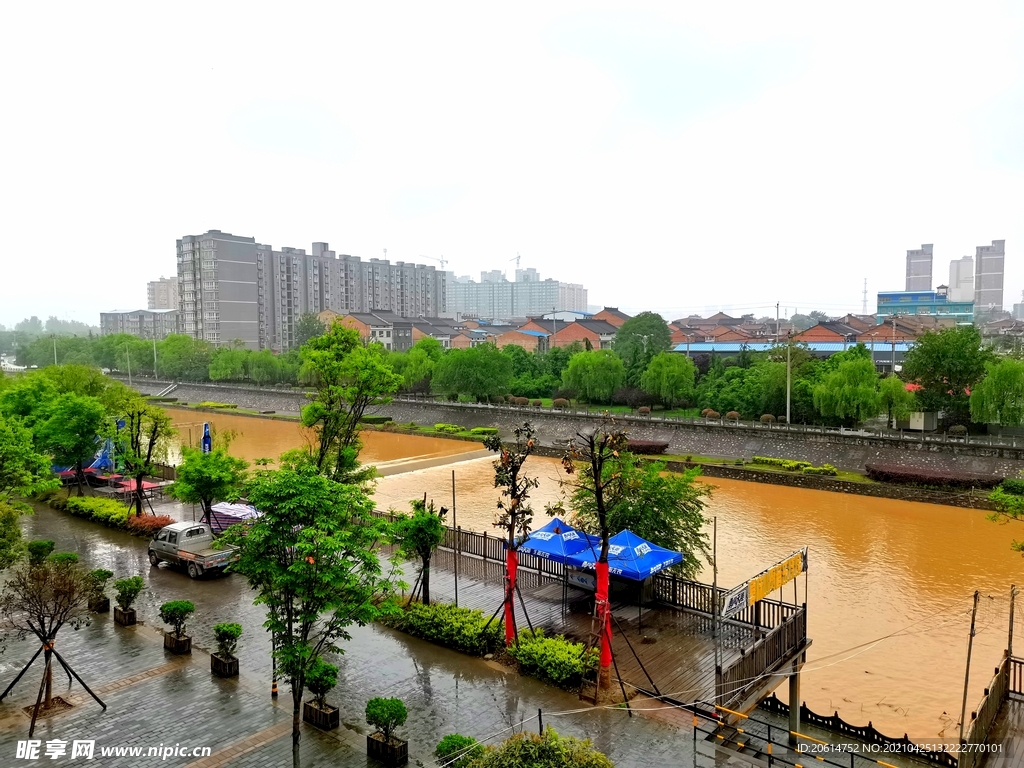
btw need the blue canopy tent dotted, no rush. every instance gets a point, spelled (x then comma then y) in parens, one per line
(629, 556)
(557, 541)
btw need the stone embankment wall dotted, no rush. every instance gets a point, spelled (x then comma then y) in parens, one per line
(848, 450)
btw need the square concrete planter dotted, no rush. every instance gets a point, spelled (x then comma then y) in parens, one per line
(224, 667)
(325, 719)
(123, 617)
(102, 605)
(393, 753)
(179, 645)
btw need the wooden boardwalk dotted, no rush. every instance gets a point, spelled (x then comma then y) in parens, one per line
(675, 645)
(1008, 733)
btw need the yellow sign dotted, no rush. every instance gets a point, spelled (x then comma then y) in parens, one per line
(765, 583)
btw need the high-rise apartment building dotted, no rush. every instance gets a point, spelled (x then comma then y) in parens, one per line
(144, 323)
(919, 269)
(162, 293)
(495, 298)
(988, 277)
(268, 290)
(961, 279)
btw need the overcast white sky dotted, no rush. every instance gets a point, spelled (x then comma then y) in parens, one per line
(677, 156)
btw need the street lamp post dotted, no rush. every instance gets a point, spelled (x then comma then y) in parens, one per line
(128, 357)
(789, 376)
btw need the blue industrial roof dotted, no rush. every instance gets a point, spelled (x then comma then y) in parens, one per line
(532, 333)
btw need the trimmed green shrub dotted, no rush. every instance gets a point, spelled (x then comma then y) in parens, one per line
(321, 677)
(560, 404)
(375, 419)
(39, 550)
(790, 465)
(448, 429)
(386, 715)
(547, 749)
(824, 469)
(732, 416)
(520, 401)
(553, 659)
(483, 431)
(644, 410)
(176, 613)
(1013, 485)
(64, 558)
(958, 430)
(647, 447)
(467, 749)
(712, 414)
(212, 404)
(767, 418)
(127, 590)
(227, 636)
(461, 629)
(536, 403)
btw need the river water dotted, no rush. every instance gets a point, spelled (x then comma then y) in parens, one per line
(889, 588)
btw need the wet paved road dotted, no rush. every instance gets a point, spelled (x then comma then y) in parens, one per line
(445, 691)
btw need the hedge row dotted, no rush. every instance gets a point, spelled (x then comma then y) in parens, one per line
(790, 465)
(372, 419)
(448, 429)
(939, 478)
(461, 629)
(483, 431)
(824, 469)
(212, 404)
(115, 515)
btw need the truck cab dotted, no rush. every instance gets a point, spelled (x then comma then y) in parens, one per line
(191, 545)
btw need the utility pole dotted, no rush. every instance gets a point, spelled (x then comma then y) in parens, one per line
(554, 326)
(967, 675)
(55, 349)
(128, 356)
(893, 371)
(864, 302)
(154, 354)
(789, 376)
(776, 323)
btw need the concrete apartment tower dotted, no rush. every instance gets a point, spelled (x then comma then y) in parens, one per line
(219, 285)
(919, 269)
(162, 293)
(961, 279)
(988, 277)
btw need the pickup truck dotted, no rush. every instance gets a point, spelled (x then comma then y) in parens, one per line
(190, 545)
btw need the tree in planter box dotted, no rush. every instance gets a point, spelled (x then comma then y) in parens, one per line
(386, 715)
(176, 613)
(127, 591)
(98, 600)
(321, 678)
(223, 663)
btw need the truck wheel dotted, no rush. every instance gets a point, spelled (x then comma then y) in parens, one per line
(194, 571)
(154, 559)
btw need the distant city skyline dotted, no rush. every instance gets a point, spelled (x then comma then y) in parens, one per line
(667, 156)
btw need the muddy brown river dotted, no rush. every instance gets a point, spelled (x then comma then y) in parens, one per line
(890, 583)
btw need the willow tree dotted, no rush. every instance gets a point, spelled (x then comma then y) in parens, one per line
(849, 394)
(514, 515)
(999, 397)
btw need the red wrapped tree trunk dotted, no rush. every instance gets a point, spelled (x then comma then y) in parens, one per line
(511, 562)
(605, 672)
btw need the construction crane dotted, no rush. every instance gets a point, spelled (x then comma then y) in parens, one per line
(442, 260)
(516, 259)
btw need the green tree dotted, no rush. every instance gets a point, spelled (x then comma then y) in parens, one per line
(308, 327)
(479, 372)
(420, 361)
(182, 357)
(849, 394)
(23, 471)
(349, 378)
(204, 478)
(669, 377)
(28, 399)
(947, 365)
(666, 508)
(77, 379)
(228, 364)
(594, 375)
(140, 442)
(894, 398)
(312, 559)
(638, 340)
(999, 397)
(418, 535)
(71, 431)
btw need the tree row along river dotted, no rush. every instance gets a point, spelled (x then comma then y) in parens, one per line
(890, 583)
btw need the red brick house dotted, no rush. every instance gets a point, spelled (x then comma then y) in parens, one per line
(612, 316)
(836, 332)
